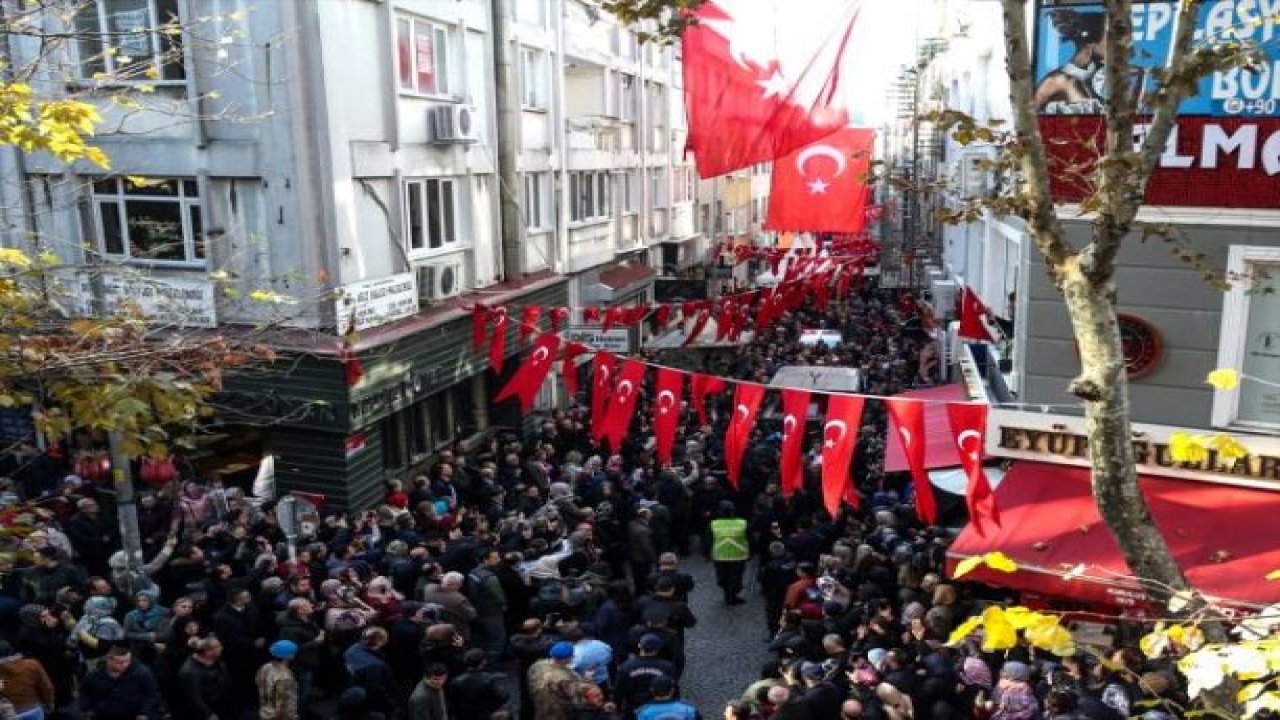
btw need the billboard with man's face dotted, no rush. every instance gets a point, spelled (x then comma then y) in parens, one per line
(1071, 54)
(1225, 149)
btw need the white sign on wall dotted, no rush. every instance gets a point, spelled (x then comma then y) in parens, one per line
(165, 300)
(376, 302)
(616, 340)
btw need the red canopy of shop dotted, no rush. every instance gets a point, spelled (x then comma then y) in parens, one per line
(940, 450)
(1050, 525)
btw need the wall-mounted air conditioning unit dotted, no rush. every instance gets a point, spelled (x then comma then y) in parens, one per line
(440, 281)
(454, 124)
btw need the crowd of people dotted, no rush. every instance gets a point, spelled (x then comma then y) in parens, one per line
(532, 577)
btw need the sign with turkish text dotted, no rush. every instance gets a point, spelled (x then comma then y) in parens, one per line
(163, 300)
(371, 303)
(615, 340)
(1061, 439)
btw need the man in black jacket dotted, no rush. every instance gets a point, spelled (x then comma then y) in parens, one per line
(478, 692)
(120, 689)
(205, 685)
(297, 625)
(93, 535)
(239, 627)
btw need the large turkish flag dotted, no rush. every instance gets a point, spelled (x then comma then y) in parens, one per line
(823, 187)
(763, 79)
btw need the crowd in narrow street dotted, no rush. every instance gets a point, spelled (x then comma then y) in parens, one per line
(535, 577)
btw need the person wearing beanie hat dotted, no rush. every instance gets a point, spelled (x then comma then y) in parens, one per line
(277, 685)
(636, 675)
(552, 685)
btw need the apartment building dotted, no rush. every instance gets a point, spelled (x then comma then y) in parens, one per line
(384, 166)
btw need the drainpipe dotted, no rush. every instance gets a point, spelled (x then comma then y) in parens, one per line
(507, 96)
(559, 123)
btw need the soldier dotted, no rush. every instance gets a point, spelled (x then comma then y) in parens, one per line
(277, 687)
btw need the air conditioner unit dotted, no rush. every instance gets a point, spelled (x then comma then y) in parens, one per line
(440, 282)
(454, 124)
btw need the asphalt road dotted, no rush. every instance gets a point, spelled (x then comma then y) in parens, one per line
(727, 648)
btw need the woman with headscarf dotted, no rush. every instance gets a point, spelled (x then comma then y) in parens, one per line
(96, 630)
(144, 624)
(1014, 698)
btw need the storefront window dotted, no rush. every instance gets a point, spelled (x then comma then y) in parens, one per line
(1250, 340)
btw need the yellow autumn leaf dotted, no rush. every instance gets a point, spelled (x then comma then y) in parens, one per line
(1053, 638)
(1185, 448)
(1273, 575)
(1154, 644)
(998, 632)
(965, 629)
(1223, 379)
(14, 258)
(999, 561)
(966, 566)
(1228, 447)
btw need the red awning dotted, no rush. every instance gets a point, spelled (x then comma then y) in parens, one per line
(1221, 536)
(939, 451)
(622, 276)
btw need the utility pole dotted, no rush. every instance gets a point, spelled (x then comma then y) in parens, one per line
(126, 508)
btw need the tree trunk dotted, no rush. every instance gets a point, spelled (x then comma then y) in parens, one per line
(1104, 387)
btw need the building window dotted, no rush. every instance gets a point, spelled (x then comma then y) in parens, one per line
(423, 51)
(534, 74)
(627, 97)
(130, 40)
(535, 201)
(630, 190)
(1250, 340)
(685, 186)
(431, 207)
(532, 12)
(658, 188)
(590, 197)
(150, 220)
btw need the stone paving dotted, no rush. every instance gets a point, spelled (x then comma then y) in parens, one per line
(727, 648)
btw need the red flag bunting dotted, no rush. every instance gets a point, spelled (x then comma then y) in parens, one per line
(591, 315)
(908, 415)
(969, 425)
(700, 387)
(479, 326)
(352, 368)
(746, 403)
(529, 321)
(701, 322)
(839, 442)
(822, 187)
(666, 411)
(623, 403)
(972, 311)
(752, 92)
(498, 340)
(663, 315)
(612, 316)
(602, 381)
(795, 411)
(559, 316)
(569, 366)
(529, 376)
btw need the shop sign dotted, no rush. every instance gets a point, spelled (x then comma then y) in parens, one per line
(363, 305)
(616, 340)
(163, 300)
(391, 396)
(1061, 439)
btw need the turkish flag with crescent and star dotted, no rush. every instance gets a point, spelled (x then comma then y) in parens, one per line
(700, 387)
(908, 417)
(969, 426)
(972, 312)
(839, 441)
(498, 340)
(622, 405)
(746, 403)
(795, 410)
(762, 79)
(666, 411)
(529, 377)
(602, 381)
(823, 187)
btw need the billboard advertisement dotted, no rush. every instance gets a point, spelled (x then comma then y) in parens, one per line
(1225, 150)
(1070, 56)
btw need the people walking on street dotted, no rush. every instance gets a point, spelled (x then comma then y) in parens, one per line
(729, 551)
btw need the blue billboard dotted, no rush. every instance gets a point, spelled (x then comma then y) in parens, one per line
(1070, 55)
